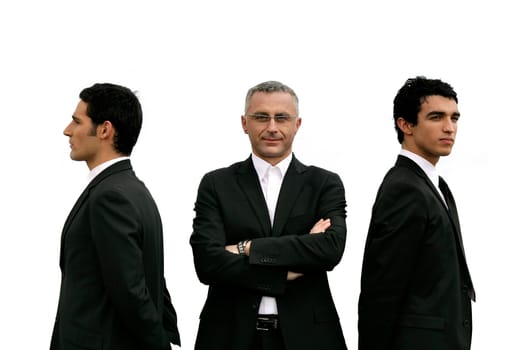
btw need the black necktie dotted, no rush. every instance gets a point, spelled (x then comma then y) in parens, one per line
(445, 191)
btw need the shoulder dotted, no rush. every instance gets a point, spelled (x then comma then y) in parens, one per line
(227, 171)
(403, 186)
(315, 170)
(315, 175)
(405, 177)
(118, 186)
(227, 176)
(400, 180)
(311, 170)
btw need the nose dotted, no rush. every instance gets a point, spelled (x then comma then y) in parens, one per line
(272, 125)
(449, 125)
(66, 131)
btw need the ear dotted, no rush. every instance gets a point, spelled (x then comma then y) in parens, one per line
(106, 130)
(243, 122)
(298, 123)
(404, 125)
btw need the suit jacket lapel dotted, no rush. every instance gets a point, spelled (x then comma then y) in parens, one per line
(453, 214)
(119, 166)
(452, 211)
(290, 190)
(404, 161)
(249, 183)
(69, 219)
(448, 203)
(449, 207)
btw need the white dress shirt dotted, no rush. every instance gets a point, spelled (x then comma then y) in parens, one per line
(271, 179)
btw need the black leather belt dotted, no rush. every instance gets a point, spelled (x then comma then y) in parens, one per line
(267, 323)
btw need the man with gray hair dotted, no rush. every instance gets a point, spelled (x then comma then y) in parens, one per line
(266, 232)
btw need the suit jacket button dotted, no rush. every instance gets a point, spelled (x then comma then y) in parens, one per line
(466, 323)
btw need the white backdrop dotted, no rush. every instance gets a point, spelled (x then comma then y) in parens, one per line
(192, 63)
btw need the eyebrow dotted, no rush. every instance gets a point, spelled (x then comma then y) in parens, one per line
(441, 113)
(278, 114)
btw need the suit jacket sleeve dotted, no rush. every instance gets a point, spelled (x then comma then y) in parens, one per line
(301, 251)
(271, 257)
(398, 221)
(117, 235)
(170, 318)
(215, 265)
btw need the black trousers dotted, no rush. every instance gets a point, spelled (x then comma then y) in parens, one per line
(268, 340)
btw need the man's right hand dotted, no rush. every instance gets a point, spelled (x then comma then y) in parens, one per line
(293, 275)
(320, 226)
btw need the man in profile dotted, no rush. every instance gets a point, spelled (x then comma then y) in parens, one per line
(113, 295)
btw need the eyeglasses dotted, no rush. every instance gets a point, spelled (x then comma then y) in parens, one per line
(264, 119)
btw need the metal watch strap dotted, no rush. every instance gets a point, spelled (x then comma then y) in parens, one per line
(240, 247)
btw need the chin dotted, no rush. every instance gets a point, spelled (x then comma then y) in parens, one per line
(273, 154)
(74, 157)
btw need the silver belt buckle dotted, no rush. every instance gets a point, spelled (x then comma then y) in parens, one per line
(266, 323)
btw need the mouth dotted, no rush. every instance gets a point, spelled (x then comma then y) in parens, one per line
(447, 140)
(270, 140)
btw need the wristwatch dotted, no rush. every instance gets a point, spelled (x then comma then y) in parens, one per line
(241, 247)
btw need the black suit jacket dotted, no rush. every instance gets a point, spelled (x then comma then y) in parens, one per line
(415, 284)
(113, 293)
(230, 207)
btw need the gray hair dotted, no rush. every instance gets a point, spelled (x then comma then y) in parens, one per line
(269, 87)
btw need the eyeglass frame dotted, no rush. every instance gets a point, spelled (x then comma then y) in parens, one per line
(279, 118)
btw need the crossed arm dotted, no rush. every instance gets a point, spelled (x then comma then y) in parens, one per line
(270, 260)
(320, 227)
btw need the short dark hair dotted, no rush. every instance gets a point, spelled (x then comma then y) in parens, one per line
(269, 87)
(412, 94)
(118, 105)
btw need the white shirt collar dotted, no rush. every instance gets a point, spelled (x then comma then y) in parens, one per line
(103, 166)
(429, 169)
(262, 166)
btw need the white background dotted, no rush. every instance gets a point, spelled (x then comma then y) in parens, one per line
(192, 63)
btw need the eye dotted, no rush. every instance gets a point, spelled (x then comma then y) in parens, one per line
(282, 118)
(261, 118)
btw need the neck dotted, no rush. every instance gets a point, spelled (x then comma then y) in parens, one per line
(102, 159)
